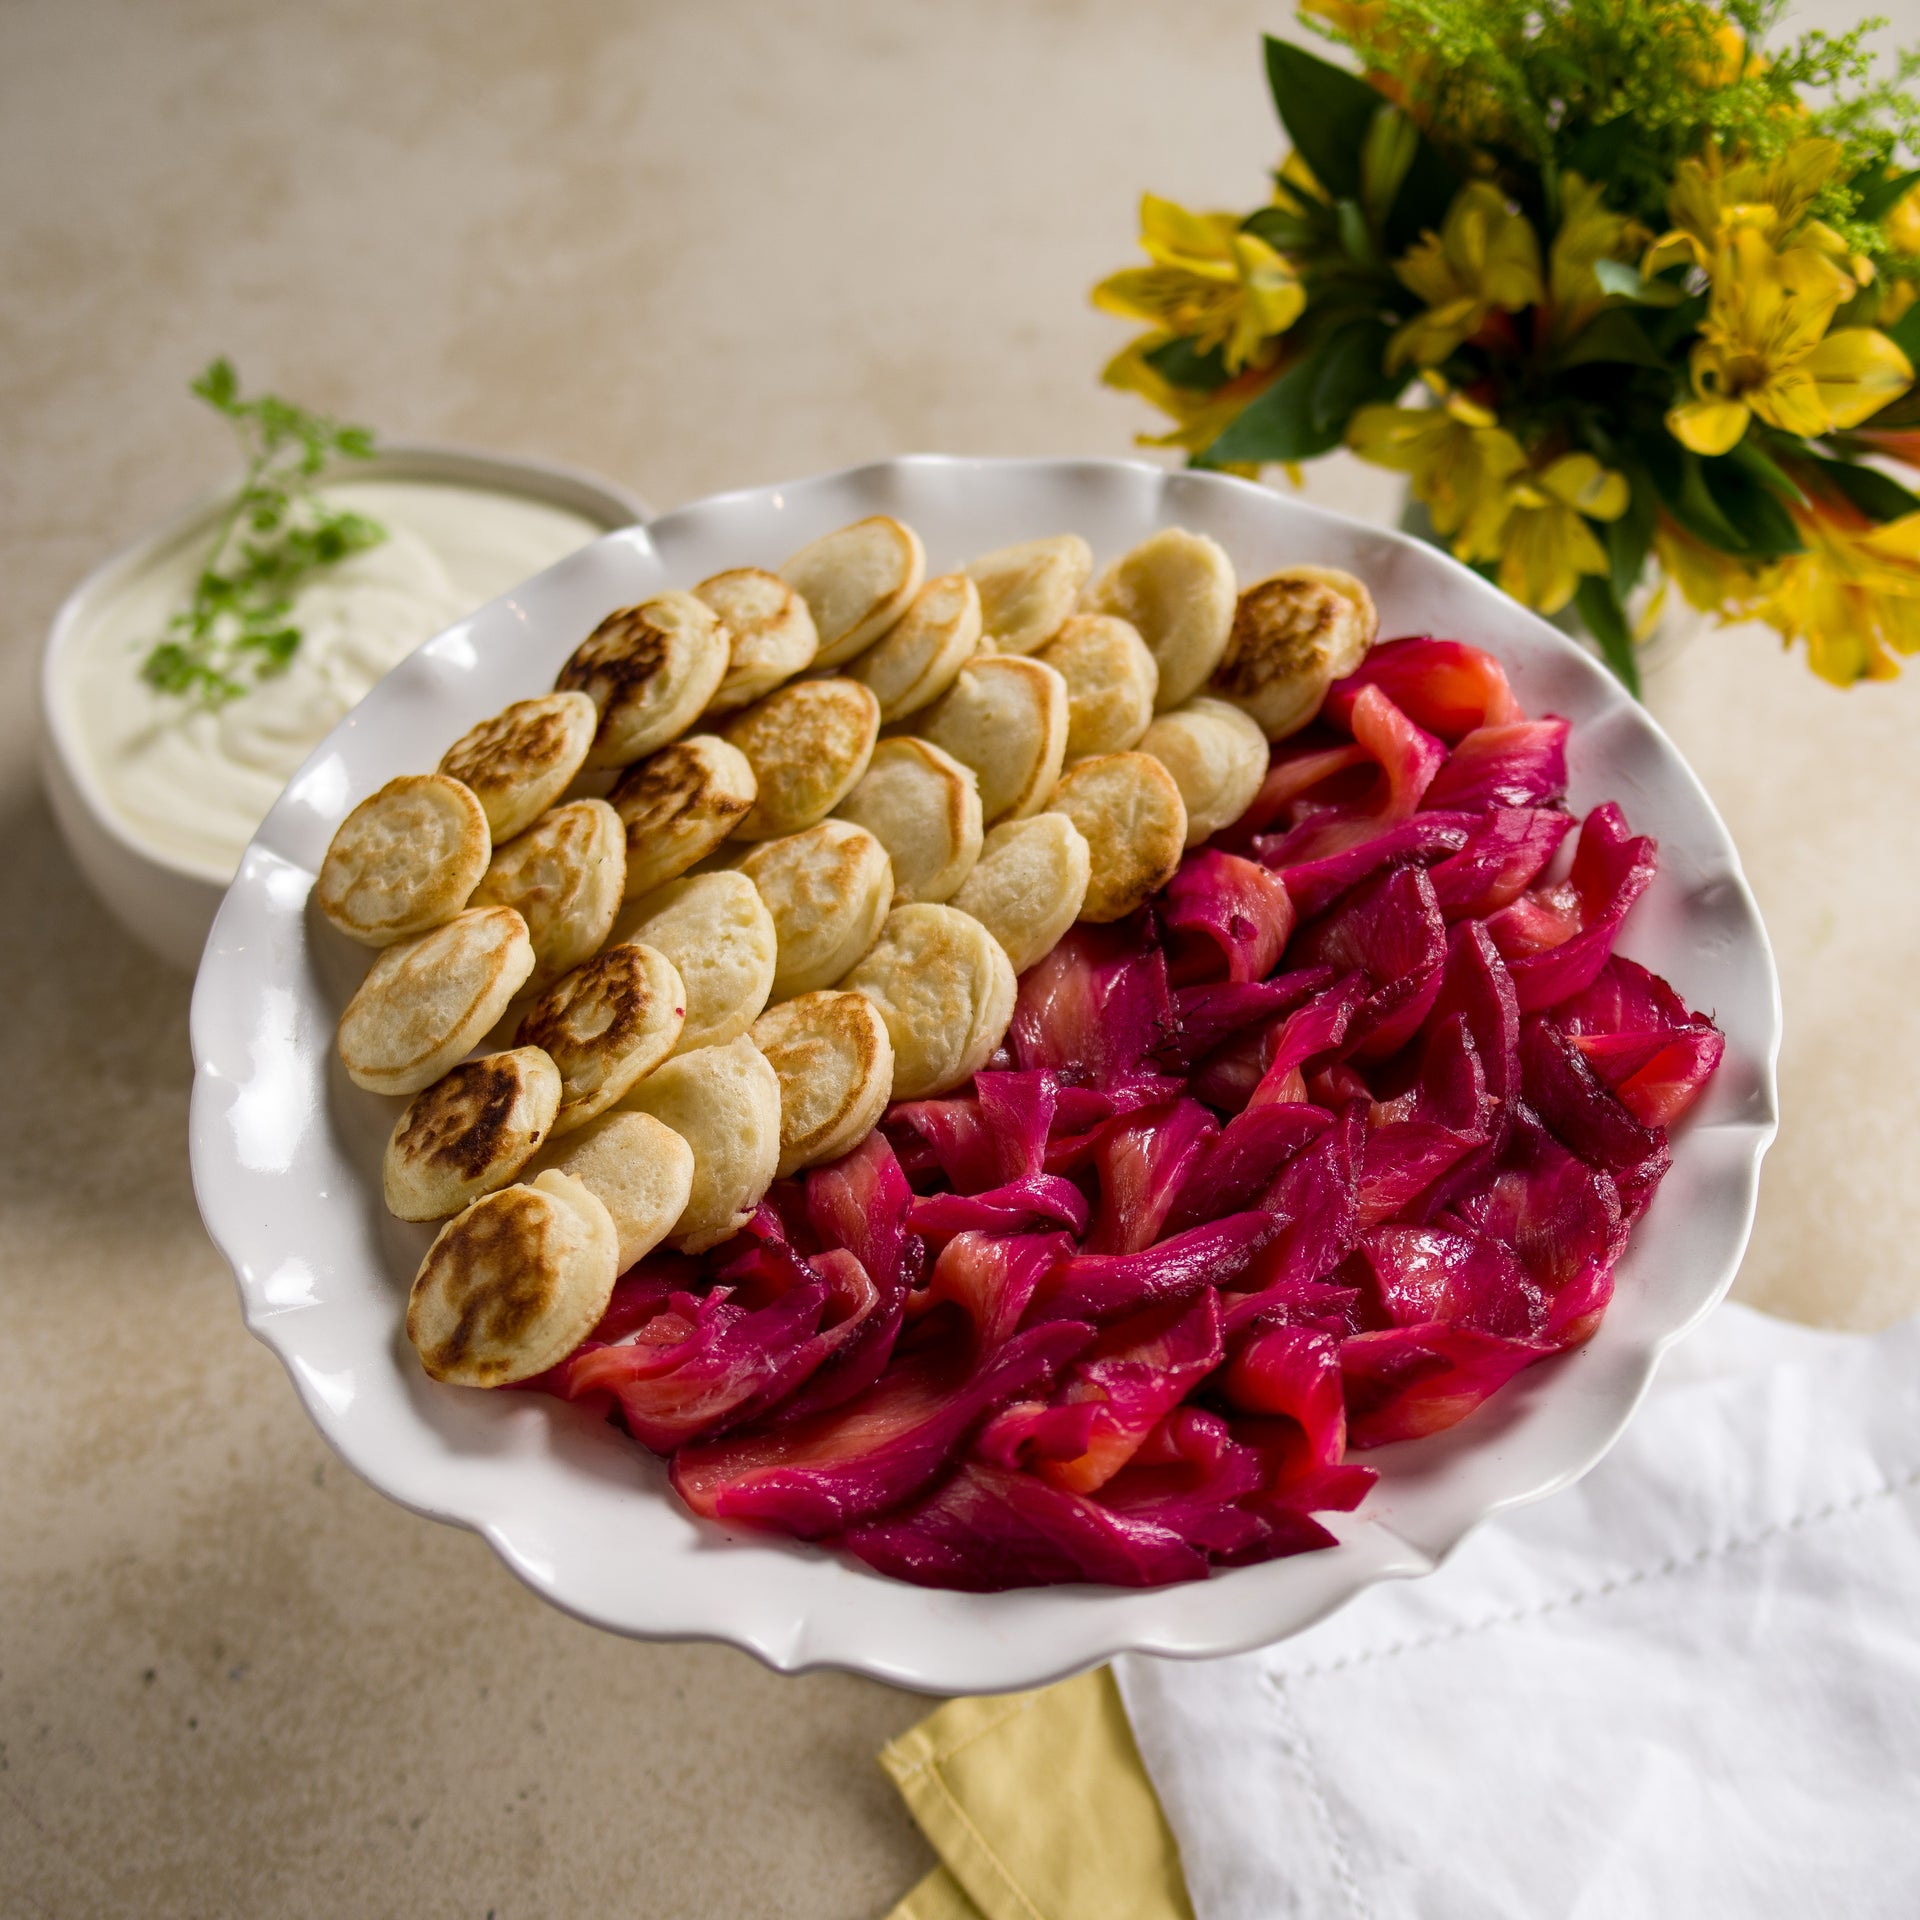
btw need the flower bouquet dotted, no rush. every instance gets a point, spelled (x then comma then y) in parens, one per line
(1630, 302)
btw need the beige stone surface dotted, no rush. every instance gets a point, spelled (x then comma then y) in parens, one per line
(692, 246)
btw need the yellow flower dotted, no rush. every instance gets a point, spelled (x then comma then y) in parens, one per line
(1537, 529)
(1457, 455)
(1903, 223)
(1209, 282)
(1485, 256)
(1711, 201)
(1589, 231)
(1200, 418)
(1294, 185)
(1712, 581)
(1729, 61)
(1853, 596)
(1764, 349)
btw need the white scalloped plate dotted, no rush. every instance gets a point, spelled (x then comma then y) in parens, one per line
(286, 1152)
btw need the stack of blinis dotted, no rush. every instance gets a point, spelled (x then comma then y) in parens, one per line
(769, 857)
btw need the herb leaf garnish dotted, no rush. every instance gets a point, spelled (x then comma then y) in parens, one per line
(238, 629)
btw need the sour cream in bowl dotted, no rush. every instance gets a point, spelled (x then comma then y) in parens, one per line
(156, 795)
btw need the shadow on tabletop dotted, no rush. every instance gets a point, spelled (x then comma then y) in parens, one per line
(93, 1102)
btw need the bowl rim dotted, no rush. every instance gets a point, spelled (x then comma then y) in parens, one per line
(805, 1645)
(551, 482)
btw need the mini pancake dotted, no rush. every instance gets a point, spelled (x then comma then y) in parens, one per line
(945, 988)
(427, 1002)
(828, 890)
(724, 1102)
(807, 745)
(678, 805)
(605, 1025)
(650, 670)
(637, 1167)
(835, 1065)
(1028, 885)
(1176, 589)
(1128, 807)
(857, 582)
(1027, 591)
(717, 931)
(512, 1285)
(773, 633)
(564, 876)
(923, 806)
(471, 1131)
(1218, 758)
(914, 664)
(1111, 683)
(1006, 718)
(405, 859)
(1294, 634)
(523, 759)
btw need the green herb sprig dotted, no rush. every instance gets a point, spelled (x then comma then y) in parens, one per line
(238, 629)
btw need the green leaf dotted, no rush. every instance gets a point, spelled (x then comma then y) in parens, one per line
(1878, 495)
(1385, 156)
(218, 384)
(1623, 281)
(1423, 200)
(1607, 622)
(1753, 459)
(1877, 201)
(1614, 336)
(1668, 329)
(1181, 364)
(1753, 508)
(1628, 538)
(1326, 112)
(1905, 333)
(1305, 412)
(1597, 153)
(1291, 232)
(1683, 492)
(354, 443)
(1356, 238)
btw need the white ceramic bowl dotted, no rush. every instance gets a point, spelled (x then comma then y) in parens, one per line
(165, 900)
(286, 1153)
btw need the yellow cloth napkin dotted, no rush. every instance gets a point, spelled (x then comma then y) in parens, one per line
(1039, 1809)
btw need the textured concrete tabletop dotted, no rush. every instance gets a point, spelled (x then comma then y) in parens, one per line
(690, 246)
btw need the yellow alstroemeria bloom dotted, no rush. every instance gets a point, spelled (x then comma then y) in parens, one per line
(1294, 185)
(1485, 255)
(1712, 581)
(1711, 201)
(1903, 223)
(1200, 418)
(1728, 61)
(1457, 454)
(1853, 596)
(1209, 282)
(1589, 231)
(1537, 529)
(1764, 349)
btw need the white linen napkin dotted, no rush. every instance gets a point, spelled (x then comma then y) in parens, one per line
(1688, 1685)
